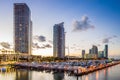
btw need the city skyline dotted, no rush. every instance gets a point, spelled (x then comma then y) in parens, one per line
(87, 23)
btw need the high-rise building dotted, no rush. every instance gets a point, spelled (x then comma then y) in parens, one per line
(106, 51)
(95, 50)
(101, 54)
(90, 51)
(59, 40)
(22, 28)
(83, 53)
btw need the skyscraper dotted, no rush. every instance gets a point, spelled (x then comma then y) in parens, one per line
(106, 51)
(59, 40)
(83, 53)
(22, 28)
(95, 50)
(101, 54)
(90, 51)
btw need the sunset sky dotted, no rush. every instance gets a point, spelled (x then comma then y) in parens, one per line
(86, 23)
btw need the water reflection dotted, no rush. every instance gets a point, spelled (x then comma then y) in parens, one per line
(58, 76)
(97, 75)
(23, 75)
(111, 73)
(8, 74)
(106, 74)
(86, 78)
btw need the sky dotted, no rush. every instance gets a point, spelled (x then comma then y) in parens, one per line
(86, 22)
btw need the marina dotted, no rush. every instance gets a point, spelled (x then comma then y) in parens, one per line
(108, 73)
(75, 68)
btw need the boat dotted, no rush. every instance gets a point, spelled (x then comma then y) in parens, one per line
(3, 69)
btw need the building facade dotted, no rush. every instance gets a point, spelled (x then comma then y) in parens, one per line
(90, 56)
(90, 51)
(59, 40)
(106, 51)
(22, 28)
(101, 54)
(95, 50)
(83, 53)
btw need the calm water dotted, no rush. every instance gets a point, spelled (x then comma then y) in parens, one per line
(111, 73)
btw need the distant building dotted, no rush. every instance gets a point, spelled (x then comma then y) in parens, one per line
(83, 53)
(95, 50)
(59, 40)
(90, 56)
(90, 51)
(101, 54)
(6, 51)
(22, 28)
(106, 51)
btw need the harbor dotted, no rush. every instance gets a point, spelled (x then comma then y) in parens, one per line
(110, 73)
(74, 68)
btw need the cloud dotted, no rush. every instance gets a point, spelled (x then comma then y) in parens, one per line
(40, 38)
(98, 45)
(82, 25)
(40, 42)
(5, 45)
(35, 45)
(107, 40)
(41, 46)
(48, 46)
(114, 36)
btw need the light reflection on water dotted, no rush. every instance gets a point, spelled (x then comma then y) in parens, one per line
(111, 73)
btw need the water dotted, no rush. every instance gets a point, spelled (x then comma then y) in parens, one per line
(111, 73)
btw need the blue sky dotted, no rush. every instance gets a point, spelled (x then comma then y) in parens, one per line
(103, 14)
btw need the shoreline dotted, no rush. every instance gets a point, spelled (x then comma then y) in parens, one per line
(96, 69)
(78, 71)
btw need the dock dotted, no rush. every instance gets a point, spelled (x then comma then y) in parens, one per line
(65, 67)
